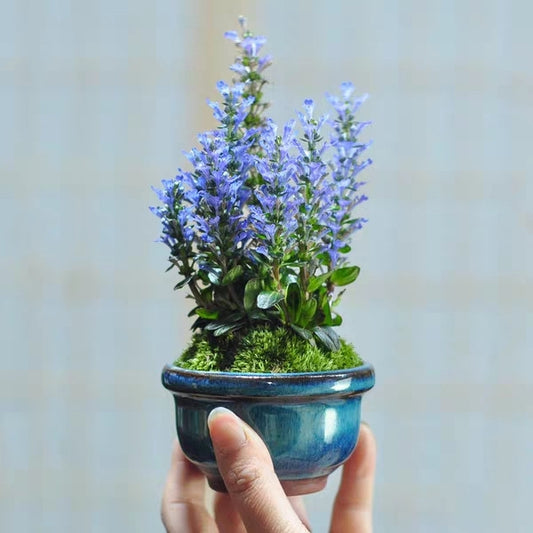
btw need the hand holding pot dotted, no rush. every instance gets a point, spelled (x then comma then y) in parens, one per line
(256, 501)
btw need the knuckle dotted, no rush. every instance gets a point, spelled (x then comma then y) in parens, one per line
(243, 477)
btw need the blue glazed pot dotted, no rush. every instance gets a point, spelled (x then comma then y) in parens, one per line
(309, 421)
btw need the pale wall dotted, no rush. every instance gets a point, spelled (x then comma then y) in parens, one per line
(97, 101)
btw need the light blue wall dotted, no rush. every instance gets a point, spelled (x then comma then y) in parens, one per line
(97, 100)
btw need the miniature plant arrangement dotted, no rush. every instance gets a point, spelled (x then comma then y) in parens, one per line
(259, 231)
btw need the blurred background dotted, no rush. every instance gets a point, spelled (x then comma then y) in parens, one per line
(98, 99)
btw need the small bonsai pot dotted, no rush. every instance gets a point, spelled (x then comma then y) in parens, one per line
(309, 421)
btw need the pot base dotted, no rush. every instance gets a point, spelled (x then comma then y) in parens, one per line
(292, 487)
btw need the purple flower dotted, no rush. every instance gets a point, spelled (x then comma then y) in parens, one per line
(280, 204)
(232, 36)
(345, 166)
(252, 45)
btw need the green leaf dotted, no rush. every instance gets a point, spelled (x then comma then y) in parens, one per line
(294, 302)
(199, 323)
(345, 249)
(252, 289)
(317, 281)
(337, 300)
(182, 283)
(229, 320)
(232, 275)
(327, 337)
(345, 275)
(323, 296)
(213, 275)
(326, 310)
(335, 321)
(308, 311)
(226, 328)
(288, 276)
(333, 335)
(255, 314)
(233, 318)
(207, 294)
(329, 319)
(324, 258)
(202, 276)
(207, 313)
(268, 299)
(174, 263)
(304, 333)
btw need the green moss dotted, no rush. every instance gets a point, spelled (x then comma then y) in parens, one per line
(264, 349)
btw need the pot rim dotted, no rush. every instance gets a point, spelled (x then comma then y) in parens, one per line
(344, 382)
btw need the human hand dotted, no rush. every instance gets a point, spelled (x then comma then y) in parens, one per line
(255, 502)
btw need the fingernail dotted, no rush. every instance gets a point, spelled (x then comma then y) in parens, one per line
(229, 434)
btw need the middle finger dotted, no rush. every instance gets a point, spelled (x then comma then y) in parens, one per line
(298, 505)
(226, 516)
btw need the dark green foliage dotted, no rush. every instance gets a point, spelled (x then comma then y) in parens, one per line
(265, 349)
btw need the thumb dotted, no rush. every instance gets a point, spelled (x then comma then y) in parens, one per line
(246, 466)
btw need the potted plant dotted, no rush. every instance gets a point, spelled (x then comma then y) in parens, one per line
(259, 233)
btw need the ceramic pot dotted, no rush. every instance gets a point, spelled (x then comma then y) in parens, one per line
(309, 421)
